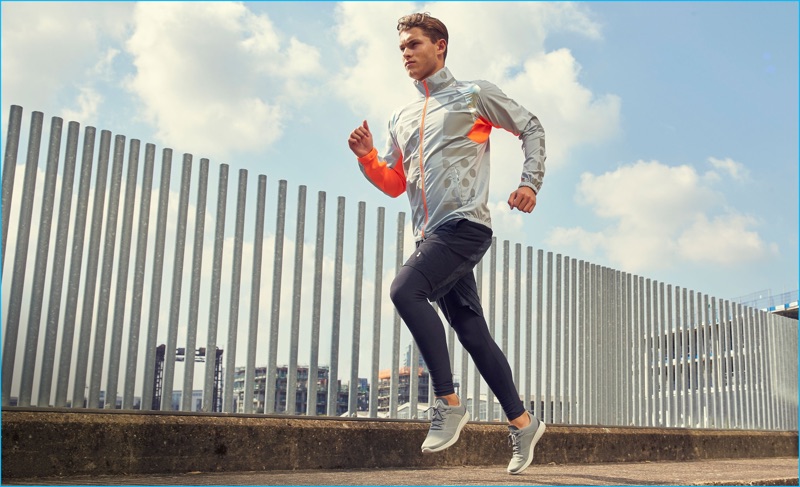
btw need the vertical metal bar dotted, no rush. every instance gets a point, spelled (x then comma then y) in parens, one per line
(123, 263)
(681, 314)
(738, 366)
(109, 245)
(730, 369)
(40, 266)
(59, 262)
(291, 376)
(694, 360)
(333, 382)
(319, 254)
(538, 375)
(558, 388)
(636, 352)
(505, 301)
(608, 333)
(170, 354)
(630, 322)
(783, 367)
(549, 397)
(707, 399)
(762, 368)
(270, 380)
(9, 169)
(353, 396)
(228, 405)
(623, 374)
(271, 403)
(414, 381)
(722, 373)
(671, 334)
(90, 282)
(529, 331)
(661, 330)
(780, 368)
(595, 309)
(627, 359)
(212, 400)
(573, 343)
(492, 294)
(604, 382)
(752, 372)
(451, 339)
(772, 373)
(148, 389)
(395, 363)
(769, 397)
(758, 384)
(701, 398)
(791, 335)
(584, 344)
(714, 365)
(617, 333)
(790, 379)
(517, 310)
(587, 344)
(476, 386)
(21, 254)
(194, 291)
(643, 328)
(376, 314)
(646, 348)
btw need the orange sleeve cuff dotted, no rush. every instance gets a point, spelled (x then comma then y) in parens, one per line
(370, 157)
(391, 181)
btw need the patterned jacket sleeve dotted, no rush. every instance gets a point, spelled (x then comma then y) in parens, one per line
(501, 111)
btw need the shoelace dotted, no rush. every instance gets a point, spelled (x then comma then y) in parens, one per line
(513, 440)
(437, 421)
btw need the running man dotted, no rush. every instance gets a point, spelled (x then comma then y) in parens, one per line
(438, 154)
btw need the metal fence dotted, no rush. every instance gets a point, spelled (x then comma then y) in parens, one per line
(587, 344)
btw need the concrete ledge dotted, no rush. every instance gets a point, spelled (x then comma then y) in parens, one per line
(65, 442)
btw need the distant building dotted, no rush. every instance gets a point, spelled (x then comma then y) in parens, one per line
(301, 392)
(403, 387)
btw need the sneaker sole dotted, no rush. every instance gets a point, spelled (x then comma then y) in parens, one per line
(536, 437)
(452, 440)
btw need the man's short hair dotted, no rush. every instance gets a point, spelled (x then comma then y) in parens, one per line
(432, 27)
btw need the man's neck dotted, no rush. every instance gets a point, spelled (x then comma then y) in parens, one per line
(435, 82)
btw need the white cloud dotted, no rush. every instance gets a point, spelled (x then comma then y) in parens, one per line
(88, 102)
(735, 170)
(216, 78)
(68, 42)
(661, 215)
(725, 239)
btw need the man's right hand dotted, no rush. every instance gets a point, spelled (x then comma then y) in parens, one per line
(360, 140)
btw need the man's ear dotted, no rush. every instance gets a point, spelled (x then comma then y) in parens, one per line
(441, 46)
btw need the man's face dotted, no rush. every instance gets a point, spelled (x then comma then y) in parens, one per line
(421, 56)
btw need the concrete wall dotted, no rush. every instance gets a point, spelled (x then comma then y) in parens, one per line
(55, 442)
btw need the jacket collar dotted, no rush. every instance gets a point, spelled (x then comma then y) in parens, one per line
(437, 81)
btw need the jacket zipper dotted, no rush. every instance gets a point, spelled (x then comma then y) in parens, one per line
(421, 168)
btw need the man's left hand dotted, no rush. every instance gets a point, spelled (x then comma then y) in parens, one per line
(523, 199)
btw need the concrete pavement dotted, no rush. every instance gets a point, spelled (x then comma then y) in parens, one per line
(761, 471)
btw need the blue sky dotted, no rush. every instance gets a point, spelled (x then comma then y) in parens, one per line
(672, 127)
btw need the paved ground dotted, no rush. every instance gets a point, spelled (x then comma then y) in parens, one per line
(767, 471)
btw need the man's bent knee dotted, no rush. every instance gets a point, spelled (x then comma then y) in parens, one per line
(409, 285)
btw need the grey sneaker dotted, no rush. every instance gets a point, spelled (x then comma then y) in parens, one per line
(522, 442)
(446, 426)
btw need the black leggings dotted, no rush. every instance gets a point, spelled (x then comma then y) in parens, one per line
(409, 292)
